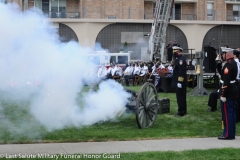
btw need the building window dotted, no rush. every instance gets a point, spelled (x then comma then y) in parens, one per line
(51, 5)
(177, 10)
(112, 17)
(209, 9)
(154, 6)
(53, 8)
(62, 6)
(236, 10)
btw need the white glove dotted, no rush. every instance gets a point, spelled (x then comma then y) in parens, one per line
(179, 85)
(223, 99)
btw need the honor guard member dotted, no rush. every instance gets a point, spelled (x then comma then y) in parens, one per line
(180, 80)
(214, 96)
(236, 58)
(169, 51)
(228, 94)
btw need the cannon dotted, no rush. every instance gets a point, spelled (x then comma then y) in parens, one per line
(144, 104)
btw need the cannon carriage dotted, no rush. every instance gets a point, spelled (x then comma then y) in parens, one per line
(144, 104)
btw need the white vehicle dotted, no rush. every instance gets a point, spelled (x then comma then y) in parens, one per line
(108, 58)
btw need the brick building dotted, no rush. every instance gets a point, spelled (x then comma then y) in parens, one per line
(217, 10)
(194, 23)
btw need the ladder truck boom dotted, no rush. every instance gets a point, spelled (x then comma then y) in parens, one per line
(161, 18)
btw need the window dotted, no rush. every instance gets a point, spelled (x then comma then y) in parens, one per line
(54, 6)
(112, 17)
(178, 10)
(113, 59)
(209, 9)
(236, 10)
(45, 6)
(51, 5)
(62, 6)
(122, 59)
(58, 6)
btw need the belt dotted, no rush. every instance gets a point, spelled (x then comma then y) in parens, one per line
(221, 81)
(238, 80)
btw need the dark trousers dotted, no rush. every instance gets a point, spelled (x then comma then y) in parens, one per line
(228, 118)
(170, 54)
(238, 109)
(238, 104)
(109, 76)
(181, 94)
(127, 77)
(212, 100)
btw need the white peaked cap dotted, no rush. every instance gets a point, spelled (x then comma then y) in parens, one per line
(177, 48)
(224, 49)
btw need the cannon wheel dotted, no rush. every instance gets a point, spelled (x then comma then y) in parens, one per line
(146, 105)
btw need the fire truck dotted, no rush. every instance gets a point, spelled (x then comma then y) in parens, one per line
(99, 58)
(161, 18)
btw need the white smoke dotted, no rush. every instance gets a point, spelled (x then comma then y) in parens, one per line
(35, 66)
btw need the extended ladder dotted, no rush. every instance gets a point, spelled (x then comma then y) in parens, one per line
(161, 19)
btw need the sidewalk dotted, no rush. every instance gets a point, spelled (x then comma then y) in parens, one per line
(118, 146)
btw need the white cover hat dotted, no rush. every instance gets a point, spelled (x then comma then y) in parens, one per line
(224, 49)
(175, 48)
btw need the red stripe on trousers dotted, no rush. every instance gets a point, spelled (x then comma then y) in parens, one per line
(226, 117)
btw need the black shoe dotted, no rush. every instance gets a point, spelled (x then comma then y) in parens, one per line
(178, 115)
(225, 138)
(211, 110)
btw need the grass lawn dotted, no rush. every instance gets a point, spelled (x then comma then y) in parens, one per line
(210, 154)
(197, 123)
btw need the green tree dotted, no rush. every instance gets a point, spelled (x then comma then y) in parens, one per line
(125, 47)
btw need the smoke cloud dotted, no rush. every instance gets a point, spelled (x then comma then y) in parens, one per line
(45, 75)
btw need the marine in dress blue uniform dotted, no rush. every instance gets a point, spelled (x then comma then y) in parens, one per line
(236, 58)
(228, 95)
(180, 80)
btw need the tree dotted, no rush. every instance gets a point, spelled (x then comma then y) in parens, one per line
(125, 47)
